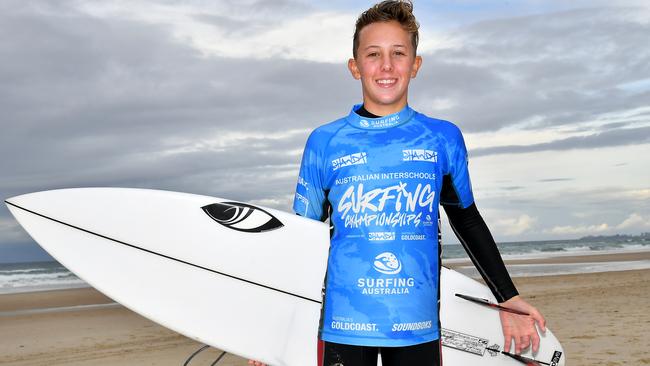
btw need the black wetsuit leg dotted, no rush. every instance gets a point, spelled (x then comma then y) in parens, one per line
(425, 354)
(335, 354)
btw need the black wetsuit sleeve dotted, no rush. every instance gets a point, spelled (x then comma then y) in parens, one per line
(474, 235)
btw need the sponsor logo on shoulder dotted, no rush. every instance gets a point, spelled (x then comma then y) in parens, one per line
(381, 236)
(303, 182)
(420, 155)
(242, 217)
(304, 200)
(347, 160)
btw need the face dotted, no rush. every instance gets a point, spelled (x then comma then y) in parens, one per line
(385, 64)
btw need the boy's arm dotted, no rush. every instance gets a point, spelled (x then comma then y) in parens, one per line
(474, 235)
(477, 240)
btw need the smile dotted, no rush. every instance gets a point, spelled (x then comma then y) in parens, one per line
(386, 82)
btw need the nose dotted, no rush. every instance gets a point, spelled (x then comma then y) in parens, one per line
(386, 63)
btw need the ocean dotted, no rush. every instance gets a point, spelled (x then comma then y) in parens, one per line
(36, 276)
(555, 248)
(39, 276)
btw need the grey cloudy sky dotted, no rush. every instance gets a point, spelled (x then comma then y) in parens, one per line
(217, 98)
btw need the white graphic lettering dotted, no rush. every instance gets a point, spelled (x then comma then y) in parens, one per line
(358, 208)
(391, 219)
(380, 123)
(304, 201)
(303, 182)
(367, 327)
(405, 327)
(386, 176)
(420, 155)
(385, 286)
(413, 237)
(352, 159)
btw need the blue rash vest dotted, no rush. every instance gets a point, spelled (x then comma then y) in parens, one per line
(379, 181)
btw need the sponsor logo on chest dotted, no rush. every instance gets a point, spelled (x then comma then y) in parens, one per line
(347, 160)
(381, 236)
(420, 155)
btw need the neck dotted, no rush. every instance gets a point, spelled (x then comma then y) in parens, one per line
(363, 112)
(383, 110)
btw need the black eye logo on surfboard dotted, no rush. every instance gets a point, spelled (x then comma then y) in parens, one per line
(242, 217)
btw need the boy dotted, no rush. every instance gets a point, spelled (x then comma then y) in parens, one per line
(379, 175)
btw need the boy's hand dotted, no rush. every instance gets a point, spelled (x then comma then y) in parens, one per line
(521, 328)
(256, 363)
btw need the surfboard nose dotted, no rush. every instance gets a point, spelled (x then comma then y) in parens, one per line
(57, 202)
(21, 199)
(34, 200)
(26, 202)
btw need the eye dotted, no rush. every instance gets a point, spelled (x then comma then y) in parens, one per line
(242, 217)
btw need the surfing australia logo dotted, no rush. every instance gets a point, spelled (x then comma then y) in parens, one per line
(242, 217)
(386, 122)
(386, 263)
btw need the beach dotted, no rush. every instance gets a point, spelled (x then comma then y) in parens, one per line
(601, 318)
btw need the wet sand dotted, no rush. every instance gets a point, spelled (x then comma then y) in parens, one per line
(600, 318)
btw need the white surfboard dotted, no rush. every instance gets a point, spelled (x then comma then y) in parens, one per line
(241, 278)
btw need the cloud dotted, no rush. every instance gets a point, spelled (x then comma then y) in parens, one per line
(634, 222)
(244, 30)
(537, 71)
(639, 195)
(569, 230)
(120, 102)
(555, 180)
(620, 137)
(11, 232)
(515, 225)
(512, 188)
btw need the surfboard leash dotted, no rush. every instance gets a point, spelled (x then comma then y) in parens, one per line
(223, 353)
(486, 302)
(203, 348)
(525, 360)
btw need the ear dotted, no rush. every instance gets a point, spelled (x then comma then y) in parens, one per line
(354, 70)
(417, 62)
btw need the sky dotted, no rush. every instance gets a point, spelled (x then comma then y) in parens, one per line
(218, 98)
